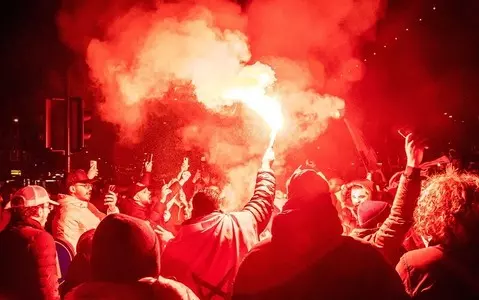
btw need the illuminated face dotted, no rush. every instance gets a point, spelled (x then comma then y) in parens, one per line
(359, 195)
(143, 196)
(82, 191)
(43, 213)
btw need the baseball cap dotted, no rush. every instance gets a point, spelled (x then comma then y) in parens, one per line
(135, 188)
(78, 176)
(29, 196)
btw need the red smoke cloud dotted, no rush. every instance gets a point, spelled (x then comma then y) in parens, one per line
(137, 52)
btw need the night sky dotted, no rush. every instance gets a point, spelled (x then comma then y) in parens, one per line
(430, 70)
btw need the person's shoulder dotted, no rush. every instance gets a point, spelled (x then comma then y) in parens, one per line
(165, 288)
(422, 258)
(35, 237)
(360, 248)
(360, 243)
(260, 254)
(43, 239)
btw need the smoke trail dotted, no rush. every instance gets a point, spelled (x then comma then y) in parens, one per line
(138, 53)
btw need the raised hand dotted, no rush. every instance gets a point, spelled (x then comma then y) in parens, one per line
(164, 235)
(165, 191)
(414, 150)
(148, 166)
(268, 158)
(111, 199)
(185, 165)
(93, 171)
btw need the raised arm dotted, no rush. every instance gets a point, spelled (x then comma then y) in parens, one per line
(261, 204)
(146, 178)
(394, 228)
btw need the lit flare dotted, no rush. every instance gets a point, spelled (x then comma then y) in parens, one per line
(250, 87)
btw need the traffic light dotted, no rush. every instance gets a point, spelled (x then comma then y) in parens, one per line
(56, 124)
(79, 129)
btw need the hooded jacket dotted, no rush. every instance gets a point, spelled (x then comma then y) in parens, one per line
(348, 214)
(308, 258)
(207, 251)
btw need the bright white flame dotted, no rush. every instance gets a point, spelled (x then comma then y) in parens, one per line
(250, 87)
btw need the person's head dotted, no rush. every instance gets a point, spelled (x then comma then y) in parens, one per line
(199, 185)
(85, 243)
(309, 210)
(447, 212)
(31, 202)
(306, 183)
(125, 249)
(335, 184)
(371, 214)
(79, 185)
(206, 201)
(359, 194)
(141, 194)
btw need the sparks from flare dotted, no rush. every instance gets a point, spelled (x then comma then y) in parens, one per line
(251, 87)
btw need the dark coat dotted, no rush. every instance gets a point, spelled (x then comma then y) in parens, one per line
(149, 289)
(27, 262)
(437, 273)
(308, 258)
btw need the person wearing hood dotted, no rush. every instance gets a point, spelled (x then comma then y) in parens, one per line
(76, 214)
(125, 264)
(309, 258)
(351, 195)
(210, 246)
(385, 226)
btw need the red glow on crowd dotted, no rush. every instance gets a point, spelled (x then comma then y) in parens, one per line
(279, 67)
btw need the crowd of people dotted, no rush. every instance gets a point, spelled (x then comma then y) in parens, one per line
(415, 238)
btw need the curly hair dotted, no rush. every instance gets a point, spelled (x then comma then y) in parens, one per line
(444, 203)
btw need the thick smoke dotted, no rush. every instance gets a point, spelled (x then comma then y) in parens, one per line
(138, 53)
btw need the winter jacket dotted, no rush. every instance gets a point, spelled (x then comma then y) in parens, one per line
(348, 213)
(390, 235)
(74, 217)
(207, 251)
(27, 262)
(149, 289)
(438, 273)
(308, 258)
(4, 219)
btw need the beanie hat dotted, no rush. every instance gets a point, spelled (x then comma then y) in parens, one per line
(371, 213)
(125, 249)
(135, 188)
(304, 184)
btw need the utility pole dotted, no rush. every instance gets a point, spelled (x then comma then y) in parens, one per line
(68, 125)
